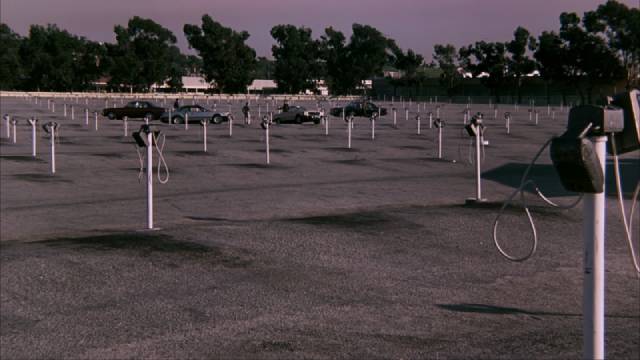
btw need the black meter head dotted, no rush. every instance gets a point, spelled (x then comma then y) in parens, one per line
(629, 139)
(140, 135)
(265, 122)
(575, 158)
(439, 124)
(475, 125)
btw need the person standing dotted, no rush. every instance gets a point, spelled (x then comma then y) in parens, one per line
(176, 104)
(245, 112)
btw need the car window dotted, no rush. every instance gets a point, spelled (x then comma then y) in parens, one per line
(131, 104)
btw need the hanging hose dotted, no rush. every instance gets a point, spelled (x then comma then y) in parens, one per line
(627, 223)
(161, 161)
(523, 184)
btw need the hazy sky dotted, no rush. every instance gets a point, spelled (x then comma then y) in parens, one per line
(416, 24)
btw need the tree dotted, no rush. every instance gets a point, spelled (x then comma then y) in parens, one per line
(335, 55)
(551, 56)
(620, 25)
(369, 50)
(296, 58)
(143, 54)
(11, 72)
(519, 63)
(445, 56)
(227, 60)
(55, 60)
(347, 65)
(589, 60)
(486, 58)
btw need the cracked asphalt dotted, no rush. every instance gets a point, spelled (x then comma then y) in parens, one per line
(328, 252)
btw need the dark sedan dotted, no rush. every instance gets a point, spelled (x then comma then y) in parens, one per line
(134, 109)
(195, 114)
(358, 108)
(298, 115)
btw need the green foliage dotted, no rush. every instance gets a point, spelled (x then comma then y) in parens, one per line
(337, 62)
(489, 58)
(519, 64)
(227, 60)
(296, 57)
(55, 60)
(143, 54)
(620, 25)
(445, 56)
(265, 68)
(11, 72)
(577, 56)
(348, 64)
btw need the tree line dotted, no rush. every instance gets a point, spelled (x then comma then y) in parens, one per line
(602, 47)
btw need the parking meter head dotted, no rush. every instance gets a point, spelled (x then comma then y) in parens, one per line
(265, 122)
(601, 120)
(629, 139)
(507, 115)
(140, 141)
(577, 164)
(203, 122)
(477, 119)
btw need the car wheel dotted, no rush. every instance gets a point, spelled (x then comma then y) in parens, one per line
(298, 119)
(216, 119)
(111, 116)
(176, 120)
(316, 121)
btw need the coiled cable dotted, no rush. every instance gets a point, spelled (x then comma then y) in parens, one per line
(523, 184)
(628, 223)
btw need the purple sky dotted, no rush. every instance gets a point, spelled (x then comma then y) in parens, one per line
(416, 24)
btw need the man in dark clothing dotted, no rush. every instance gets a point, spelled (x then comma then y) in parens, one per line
(245, 111)
(285, 107)
(176, 104)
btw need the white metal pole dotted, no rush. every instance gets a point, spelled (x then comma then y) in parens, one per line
(150, 180)
(73, 116)
(186, 121)
(326, 125)
(204, 135)
(373, 128)
(125, 126)
(230, 125)
(406, 114)
(508, 124)
(266, 135)
(430, 120)
(440, 142)
(593, 287)
(95, 113)
(478, 170)
(395, 123)
(419, 124)
(7, 121)
(349, 132)
(86, 117)
(14, 123)
(33, 137)
(53, 149)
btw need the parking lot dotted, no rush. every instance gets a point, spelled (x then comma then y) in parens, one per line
(327, 252)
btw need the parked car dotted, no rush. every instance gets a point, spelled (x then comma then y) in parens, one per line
(358, 108)
(298, 115)
(134, 109)
(195, 113)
